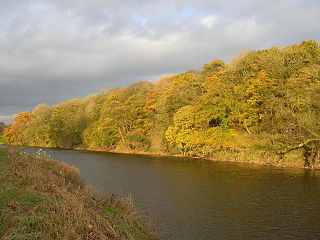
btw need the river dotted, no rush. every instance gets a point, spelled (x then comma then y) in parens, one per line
(199, 199)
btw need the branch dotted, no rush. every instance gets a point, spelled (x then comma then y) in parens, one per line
(301, 145)
(247, 129)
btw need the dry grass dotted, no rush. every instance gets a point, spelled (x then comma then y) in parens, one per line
(45, 199)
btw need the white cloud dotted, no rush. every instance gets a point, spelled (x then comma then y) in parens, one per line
(244, 28)
(209, 21)
(6, 119)
(54, 50)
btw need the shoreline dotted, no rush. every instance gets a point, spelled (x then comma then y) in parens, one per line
(223, 157)
(213, 159)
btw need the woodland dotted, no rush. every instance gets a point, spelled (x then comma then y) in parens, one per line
(264, 104)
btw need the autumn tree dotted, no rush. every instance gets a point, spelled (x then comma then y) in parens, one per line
(14, 134)
(38, 131)
(122, 119)
(67, 122)
(169, 95)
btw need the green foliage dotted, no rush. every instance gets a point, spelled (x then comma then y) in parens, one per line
(271, 95)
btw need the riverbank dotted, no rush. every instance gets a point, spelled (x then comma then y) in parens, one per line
(251, 156)
(265, 157)
(46, 199)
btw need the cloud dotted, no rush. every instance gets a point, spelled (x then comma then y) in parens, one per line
(54, 50)
(209, 21)
(6, 119)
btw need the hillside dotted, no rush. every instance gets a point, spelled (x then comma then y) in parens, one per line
(264, 106)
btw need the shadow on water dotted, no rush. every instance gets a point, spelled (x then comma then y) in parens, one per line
(198, 199)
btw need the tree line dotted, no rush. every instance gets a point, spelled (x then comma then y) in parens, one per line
(265, 101)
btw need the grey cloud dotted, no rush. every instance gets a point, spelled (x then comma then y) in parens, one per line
(54, 50)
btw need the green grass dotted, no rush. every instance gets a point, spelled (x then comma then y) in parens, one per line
(1, 140)
(12, 194)
(15, 198)
(110, 210)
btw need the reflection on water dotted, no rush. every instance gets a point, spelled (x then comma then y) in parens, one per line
(198, 199)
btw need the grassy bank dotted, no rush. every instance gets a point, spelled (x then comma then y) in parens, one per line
(1, 140)
(45, 199)
(252, 156)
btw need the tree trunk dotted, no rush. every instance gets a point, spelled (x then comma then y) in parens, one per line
(310, 156)
(307, 155)
(123, 140)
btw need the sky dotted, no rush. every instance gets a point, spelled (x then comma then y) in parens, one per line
(54, 50)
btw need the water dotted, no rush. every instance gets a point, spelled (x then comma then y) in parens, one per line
(198, 199)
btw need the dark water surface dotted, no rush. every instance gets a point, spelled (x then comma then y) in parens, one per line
(198, 199)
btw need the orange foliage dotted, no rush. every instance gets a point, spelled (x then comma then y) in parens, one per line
(14, 133)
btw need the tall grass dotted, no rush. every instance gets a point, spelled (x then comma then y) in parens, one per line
(46, 199)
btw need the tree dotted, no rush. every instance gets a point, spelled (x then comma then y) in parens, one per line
(67, 123)
(14, 134)
(296, 118)
(2, 127)
(122, 119)
(192, 134)
(38, 132)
